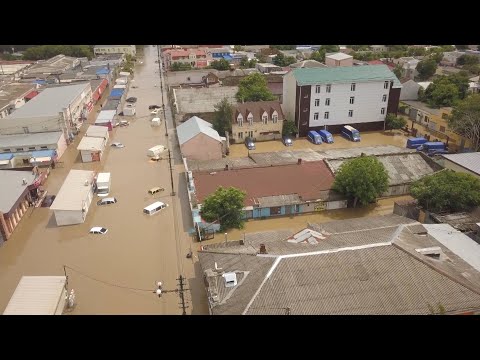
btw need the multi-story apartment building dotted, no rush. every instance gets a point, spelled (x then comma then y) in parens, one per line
(195, 57)
(115, 49)
(329, 98)
(260, 120)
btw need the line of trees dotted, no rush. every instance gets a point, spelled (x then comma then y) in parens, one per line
(43, 52)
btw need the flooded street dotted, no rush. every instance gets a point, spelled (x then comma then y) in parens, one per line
(299, 222)
(138, 250)
(394, 137)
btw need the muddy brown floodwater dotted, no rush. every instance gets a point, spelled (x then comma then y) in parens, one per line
(138, 250)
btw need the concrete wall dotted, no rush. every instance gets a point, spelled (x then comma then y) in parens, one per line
(332, 62)
(122, 49)
(409, 90)
(89, 155)
(202, 147)
(68, 217)
(32, 125)
(289, 96)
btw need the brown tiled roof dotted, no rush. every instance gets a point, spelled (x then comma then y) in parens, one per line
(257, 108)
(307, 180)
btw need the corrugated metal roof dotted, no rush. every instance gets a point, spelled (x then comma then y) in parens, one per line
(194, 126)
(49, 102)
(459, 243)
(74, 192)
(22, 140)
(470, 161)
(339, 56)
(12, 187)
(106, 115)
(91, 143)
(344, 74)
(37, 295)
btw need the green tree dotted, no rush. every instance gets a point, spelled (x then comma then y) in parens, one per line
(467, 60)
(289, 128)
(47, 51)
(437, 56)
(426, 68)
(318, 55)
(446, 90)
(447, 48)
(225, 205)
(395, 122)
(465, 120)
(282, 60)
(330, 48)
(180, 67)
(447, 190)
(474, 69)
(398, 71)
(238, 48)
(461, 47)
(254, 88)
(416, 51)
(362, 179)
(222, 117)
(221, 64)
(247, 64)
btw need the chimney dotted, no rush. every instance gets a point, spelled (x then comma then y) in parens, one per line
(263, 249)
(299, 161)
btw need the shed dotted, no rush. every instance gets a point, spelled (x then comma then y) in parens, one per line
(97, 131)
(38, 295)
(74, 198)
(106, 117)
(91, 148)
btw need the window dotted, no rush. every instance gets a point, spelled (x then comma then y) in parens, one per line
(19, 149)
(277, 210)
(352, 87)
(317, 102)
(352, 99)
(327, 102)
(315, 116)
(384, 97)
(250, 119)
(265, 119)
(240, 135)
(250, 133)
(350, 113)
(442, 129)
(326, 115)
(32, 148)
(44, 147)
(444, 116)
(329, 88)
(6, 150)
(317, 89)
(386, 84)
(382, 111)
(274, 118)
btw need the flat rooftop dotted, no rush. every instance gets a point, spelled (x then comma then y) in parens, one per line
(50, 102)
(424, 107)
(74, 192)
(92, 143)
(203, 99)
(97, 131)
(12, 187)
(307, 180)
(23, 140)
(11, 92)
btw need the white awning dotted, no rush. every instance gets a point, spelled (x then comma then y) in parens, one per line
(41, 159)
(4, 162)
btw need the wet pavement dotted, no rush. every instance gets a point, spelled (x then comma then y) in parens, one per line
(138, 250)
(299, 222)
(395, 137)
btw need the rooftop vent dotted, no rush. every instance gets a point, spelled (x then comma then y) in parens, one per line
(24, 181)
(263, 249)
(86, 183)
(434, 252)
(230, 279)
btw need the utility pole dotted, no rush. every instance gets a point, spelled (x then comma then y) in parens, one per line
(171, 172)
(180, 290)
(161, 88)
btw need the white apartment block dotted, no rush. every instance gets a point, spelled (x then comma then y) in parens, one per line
(329, 98)
(115, 49)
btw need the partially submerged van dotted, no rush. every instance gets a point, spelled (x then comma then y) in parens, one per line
(351, 133)
(156, 150)
(326, 136)
(314, 137)
(155, 190)
(154, 208)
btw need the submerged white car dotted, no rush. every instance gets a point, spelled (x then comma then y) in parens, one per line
(118, 145)
(98, 230)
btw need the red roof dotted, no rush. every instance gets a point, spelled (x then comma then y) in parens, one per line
(197, 52)
(376, 62)
(306, 180)
(31, 95)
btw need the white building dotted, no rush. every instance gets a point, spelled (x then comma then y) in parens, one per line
(74, 198)
(115, 49)
(38, 295)
(97, 131)
(33, 142)
(328, 98)
(91, 148)
(54, 109)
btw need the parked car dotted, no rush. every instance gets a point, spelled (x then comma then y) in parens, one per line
(124, 123)
(151, 107)
(131, 99)
(107, 201)
(249, 143)
(154, 111)
(156, 158)
(287, 141)
(117, 145)
(98, 230)
(48, 200)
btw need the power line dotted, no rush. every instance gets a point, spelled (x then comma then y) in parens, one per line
(105, 282)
